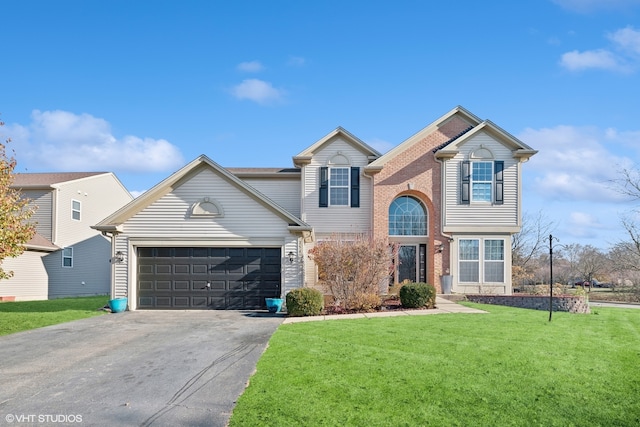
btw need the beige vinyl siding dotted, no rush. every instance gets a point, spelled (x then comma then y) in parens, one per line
(482, 214)
(244, 217)
(292, 271)
(121, 271)
(29, 282)
(337, 219)
(99, 195)
(284, 192)
(43, 215)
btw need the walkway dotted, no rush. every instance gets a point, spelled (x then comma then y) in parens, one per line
(443, 306)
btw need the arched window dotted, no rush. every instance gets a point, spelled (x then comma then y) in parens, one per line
(407, 217)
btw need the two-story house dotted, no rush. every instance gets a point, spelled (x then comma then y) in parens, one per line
(209, 237)
(66, 257)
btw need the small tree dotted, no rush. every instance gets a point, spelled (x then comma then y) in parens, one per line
(353, 269)
(15, 212)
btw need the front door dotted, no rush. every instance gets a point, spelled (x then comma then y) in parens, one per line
(411, 263)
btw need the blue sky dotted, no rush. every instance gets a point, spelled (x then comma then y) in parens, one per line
(141, 88)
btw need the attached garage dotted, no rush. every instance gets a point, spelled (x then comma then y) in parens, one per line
(207, 278)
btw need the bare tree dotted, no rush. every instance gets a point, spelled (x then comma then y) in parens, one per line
(528, 245)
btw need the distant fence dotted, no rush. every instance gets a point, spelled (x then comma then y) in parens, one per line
(572, 304)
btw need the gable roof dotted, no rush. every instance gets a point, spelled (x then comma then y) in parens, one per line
(114, 222)
(305, 156)
(459, 111)
(47, 179)
(520, 149)
(449, 148)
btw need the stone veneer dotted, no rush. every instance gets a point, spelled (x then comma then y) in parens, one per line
(572, 304)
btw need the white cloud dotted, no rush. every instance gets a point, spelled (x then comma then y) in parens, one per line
(575, 163)
(627, 39)
(626, 42)
(251, 67)
(258, 91)
(64, 141)
(600, 58)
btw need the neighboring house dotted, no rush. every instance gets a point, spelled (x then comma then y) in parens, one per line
(210, 237)
(66, 257)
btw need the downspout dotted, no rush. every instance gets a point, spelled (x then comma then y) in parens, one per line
(111, 236)
(443, 212)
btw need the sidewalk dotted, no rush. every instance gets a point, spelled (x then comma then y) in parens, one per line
(443, 306)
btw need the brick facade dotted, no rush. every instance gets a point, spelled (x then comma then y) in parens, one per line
(417, 173)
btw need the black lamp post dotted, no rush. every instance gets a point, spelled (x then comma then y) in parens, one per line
(551, 274)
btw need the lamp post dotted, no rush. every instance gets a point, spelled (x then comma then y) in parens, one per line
(551, 238)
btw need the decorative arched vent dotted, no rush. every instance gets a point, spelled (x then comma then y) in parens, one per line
(207, 208)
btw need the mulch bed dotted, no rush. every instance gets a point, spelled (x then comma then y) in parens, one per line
(387, 305)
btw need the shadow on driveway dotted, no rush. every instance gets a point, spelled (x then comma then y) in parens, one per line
(142, 368)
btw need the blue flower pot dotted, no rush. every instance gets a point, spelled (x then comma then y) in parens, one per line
(118, 305)
(274, 305)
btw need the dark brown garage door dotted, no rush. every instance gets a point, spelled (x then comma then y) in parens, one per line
(201, 278)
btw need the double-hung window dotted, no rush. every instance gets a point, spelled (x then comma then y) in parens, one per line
(490, 251)
(482, 181)
(75, 210)
(339, 186)
(67, 257)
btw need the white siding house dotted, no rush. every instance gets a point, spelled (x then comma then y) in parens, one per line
(209, 237)
(66, 257)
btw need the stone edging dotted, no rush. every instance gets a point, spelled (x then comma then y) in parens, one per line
(572, 304)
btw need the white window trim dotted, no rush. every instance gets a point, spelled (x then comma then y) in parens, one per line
(482, 261)
(70, 248)
(490, 182)
(347, 186)
(79, 210)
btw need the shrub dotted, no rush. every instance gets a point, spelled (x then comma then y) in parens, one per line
(354, 269)
(415, 295)
(305, 302)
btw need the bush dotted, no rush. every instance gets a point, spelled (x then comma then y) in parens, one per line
(305, 302)
(416, 295)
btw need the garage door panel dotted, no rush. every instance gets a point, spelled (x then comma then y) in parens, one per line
(239, 278)
(181, 285)
(200, 269)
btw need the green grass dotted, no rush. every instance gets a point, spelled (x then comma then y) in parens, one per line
(25, 315)
(508, 368)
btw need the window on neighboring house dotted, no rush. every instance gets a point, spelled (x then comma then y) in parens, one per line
(67, 257)
(482, 181)
(407, 217)
(339, 186)
(493, 257)
(75, 210)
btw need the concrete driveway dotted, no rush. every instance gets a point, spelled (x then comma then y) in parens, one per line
(142, 368)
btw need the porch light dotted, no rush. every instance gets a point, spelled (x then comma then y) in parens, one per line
(118, 258)
(291, 257)
(440, 248)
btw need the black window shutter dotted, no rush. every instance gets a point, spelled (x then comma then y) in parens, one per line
(355, 187)
(324, 187)
(465, 182)
(498, 171)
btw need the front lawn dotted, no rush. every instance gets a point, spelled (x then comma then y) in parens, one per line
(25, 315)
(510, 367)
